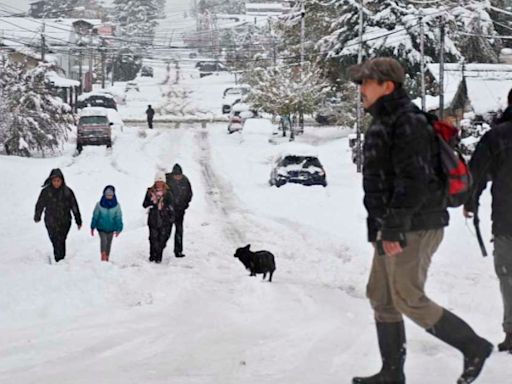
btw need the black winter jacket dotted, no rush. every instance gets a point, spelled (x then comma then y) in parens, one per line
(403, 189)
(492, 161)
(159, 218)
(181, 191)
(57, 204)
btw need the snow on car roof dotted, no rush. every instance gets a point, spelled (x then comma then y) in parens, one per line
(296, 149)
(240, 107)
(94, 111)
(85, 96)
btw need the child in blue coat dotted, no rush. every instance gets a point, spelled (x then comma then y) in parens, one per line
(108, 220)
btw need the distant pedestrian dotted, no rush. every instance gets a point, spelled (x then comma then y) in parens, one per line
(160, 217)
(107, 218)
(405, 197)
(150, 113)
(492, 162)
(57, 201)
(181, 191)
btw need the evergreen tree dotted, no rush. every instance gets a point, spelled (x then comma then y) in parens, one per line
(54, 9)
(36, 121)
(137, 20)
(126, 65)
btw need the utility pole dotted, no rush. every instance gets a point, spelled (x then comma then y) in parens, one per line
(359, 130)
(302, 41)
(422, 49)
(441, 72)
(103, 54)
(113, 67)
(43, 43)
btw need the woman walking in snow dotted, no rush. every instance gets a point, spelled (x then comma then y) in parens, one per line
(57, 201)
(160, 217)
(108, 220)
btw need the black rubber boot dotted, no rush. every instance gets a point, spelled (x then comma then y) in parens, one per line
(506, 345)
(392, 350)
(456, 332)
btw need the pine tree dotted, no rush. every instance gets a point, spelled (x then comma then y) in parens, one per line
(54, 9)
(137, 20)
(38, 120)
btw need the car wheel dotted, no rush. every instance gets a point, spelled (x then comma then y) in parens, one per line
(280, 183)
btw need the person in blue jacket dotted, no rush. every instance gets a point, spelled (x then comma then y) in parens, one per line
(108, 220)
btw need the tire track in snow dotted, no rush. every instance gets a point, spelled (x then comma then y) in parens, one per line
(220, 193)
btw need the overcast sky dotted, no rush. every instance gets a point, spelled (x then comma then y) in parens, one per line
(172, 5)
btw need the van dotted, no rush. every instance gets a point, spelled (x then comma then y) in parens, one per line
(94, 128)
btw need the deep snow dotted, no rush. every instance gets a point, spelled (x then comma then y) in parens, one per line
(202, 319)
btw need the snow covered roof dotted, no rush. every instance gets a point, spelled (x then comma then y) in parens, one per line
(94, 111)
(21, 31)
(487, 84)
(61, 82)
(85, 96)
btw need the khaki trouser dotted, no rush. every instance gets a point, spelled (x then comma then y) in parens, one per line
(397, 283)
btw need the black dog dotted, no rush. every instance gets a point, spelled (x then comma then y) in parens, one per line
(257, 262)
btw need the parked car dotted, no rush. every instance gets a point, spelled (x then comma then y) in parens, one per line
(131, 85)
(235, 124)
(207, 68)
(94, 128)
(146, 71)
(233, 95)
(298, 166)
(96, 99)
(330, 113)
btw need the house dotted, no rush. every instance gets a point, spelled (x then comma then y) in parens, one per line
(269, 8)
(69, 42)
(37, 9)
(478, 88)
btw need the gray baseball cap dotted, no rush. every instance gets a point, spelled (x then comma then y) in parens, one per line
(380, 69)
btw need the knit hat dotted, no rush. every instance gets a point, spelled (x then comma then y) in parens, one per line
(109, 190)
(176, 170)
(160, 176)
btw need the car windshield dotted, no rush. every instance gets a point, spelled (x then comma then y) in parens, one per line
(233, 92)
(304, 161)
(93, 120)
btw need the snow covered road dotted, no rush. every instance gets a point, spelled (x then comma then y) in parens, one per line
(201, 319)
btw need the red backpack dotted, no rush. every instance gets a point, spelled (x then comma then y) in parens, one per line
(455, 169)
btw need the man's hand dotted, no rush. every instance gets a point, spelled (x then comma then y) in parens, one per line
(468, 214)
(392, 248)
(116, 234)
(36, 220)
(92, 231)
(79, 227)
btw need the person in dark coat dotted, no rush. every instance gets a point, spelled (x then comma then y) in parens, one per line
(492, 162)
(404, 194)
(160, 217)
(57, 201)
(182, 195)
(150, 113)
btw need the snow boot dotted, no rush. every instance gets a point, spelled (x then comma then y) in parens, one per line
(179, 254)
(392, 350)
(457, 333)
(506, 345)
(104, 256)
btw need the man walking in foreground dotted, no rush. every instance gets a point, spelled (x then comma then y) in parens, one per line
(406, 202)
(492, 161)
